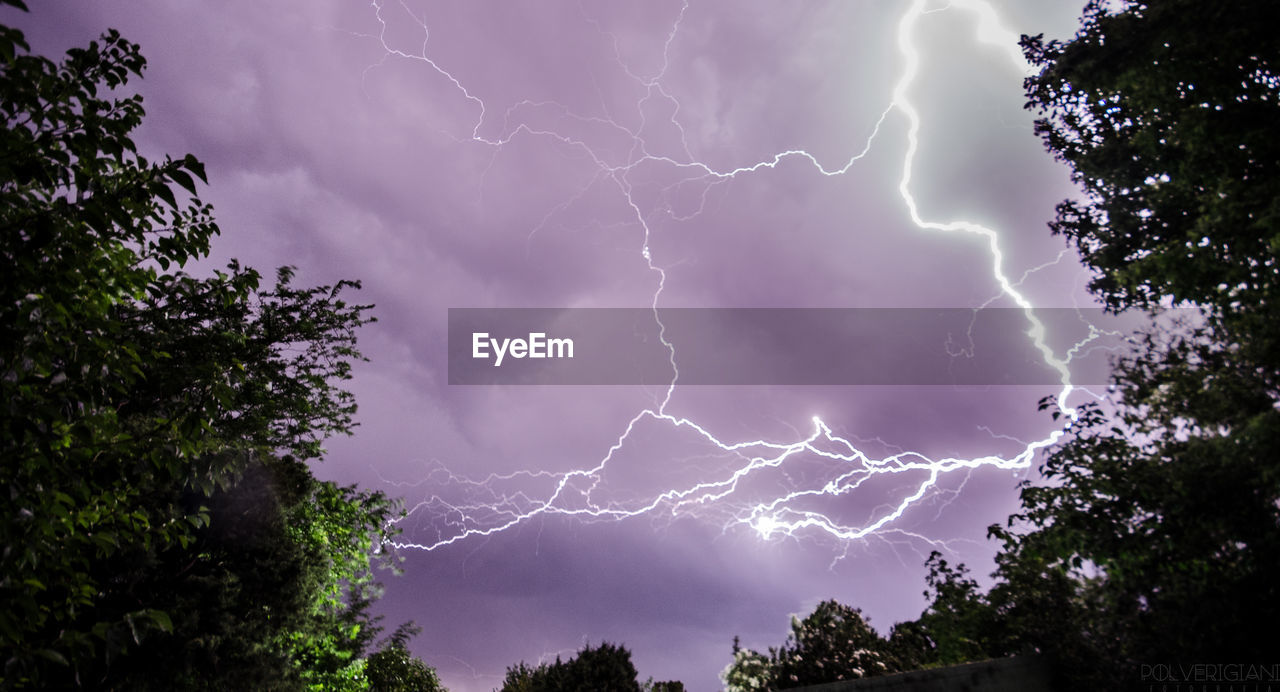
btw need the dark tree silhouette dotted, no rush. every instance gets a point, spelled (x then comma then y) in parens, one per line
(833, 643)
(161, 527)
(1156, 537)
(605, 668)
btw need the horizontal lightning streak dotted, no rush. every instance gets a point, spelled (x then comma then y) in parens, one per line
(572, 492)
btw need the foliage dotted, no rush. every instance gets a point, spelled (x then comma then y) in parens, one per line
(835, 642)
(1042, 607)
(252, 602)
(832, 643)
(1166, 113)
(1152, 542)
(909, 646)
(606, 668)
(161, 527)
(750, 671)
(1156, 535)
(393, 669)
(959, 622)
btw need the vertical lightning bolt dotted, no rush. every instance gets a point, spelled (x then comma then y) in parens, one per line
(497, 503)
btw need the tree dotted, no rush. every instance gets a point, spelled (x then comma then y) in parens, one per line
(832, 643)
(959, 624)
(606, 668)
(1156, 536)
(749, 671)
(161, 528)
(836, 643)
(393, 669)
(910, 647)
(1165, 112)
(273, 591)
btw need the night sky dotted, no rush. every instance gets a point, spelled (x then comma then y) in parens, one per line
(627, 154)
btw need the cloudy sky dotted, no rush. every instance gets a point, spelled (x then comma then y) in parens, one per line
(627, 154)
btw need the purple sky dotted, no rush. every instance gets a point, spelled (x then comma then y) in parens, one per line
(525, 154)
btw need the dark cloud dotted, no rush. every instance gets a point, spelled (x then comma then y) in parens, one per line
(327, 151)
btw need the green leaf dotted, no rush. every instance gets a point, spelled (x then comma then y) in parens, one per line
(164, 193)
(181, 178)
(161, 619)
(51, 655)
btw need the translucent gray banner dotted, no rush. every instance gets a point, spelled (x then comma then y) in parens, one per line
(776, 346)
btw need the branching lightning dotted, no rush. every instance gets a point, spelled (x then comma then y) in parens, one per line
(499, 503)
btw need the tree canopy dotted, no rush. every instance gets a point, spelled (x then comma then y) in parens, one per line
(1166, 113)
(1154, 534)
(604, 668)
(161, 527)
(832, 643)
(1165, 508)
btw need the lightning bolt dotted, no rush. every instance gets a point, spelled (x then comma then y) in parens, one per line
(498, 503)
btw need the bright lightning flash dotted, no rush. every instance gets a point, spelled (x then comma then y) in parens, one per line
(495, 505)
